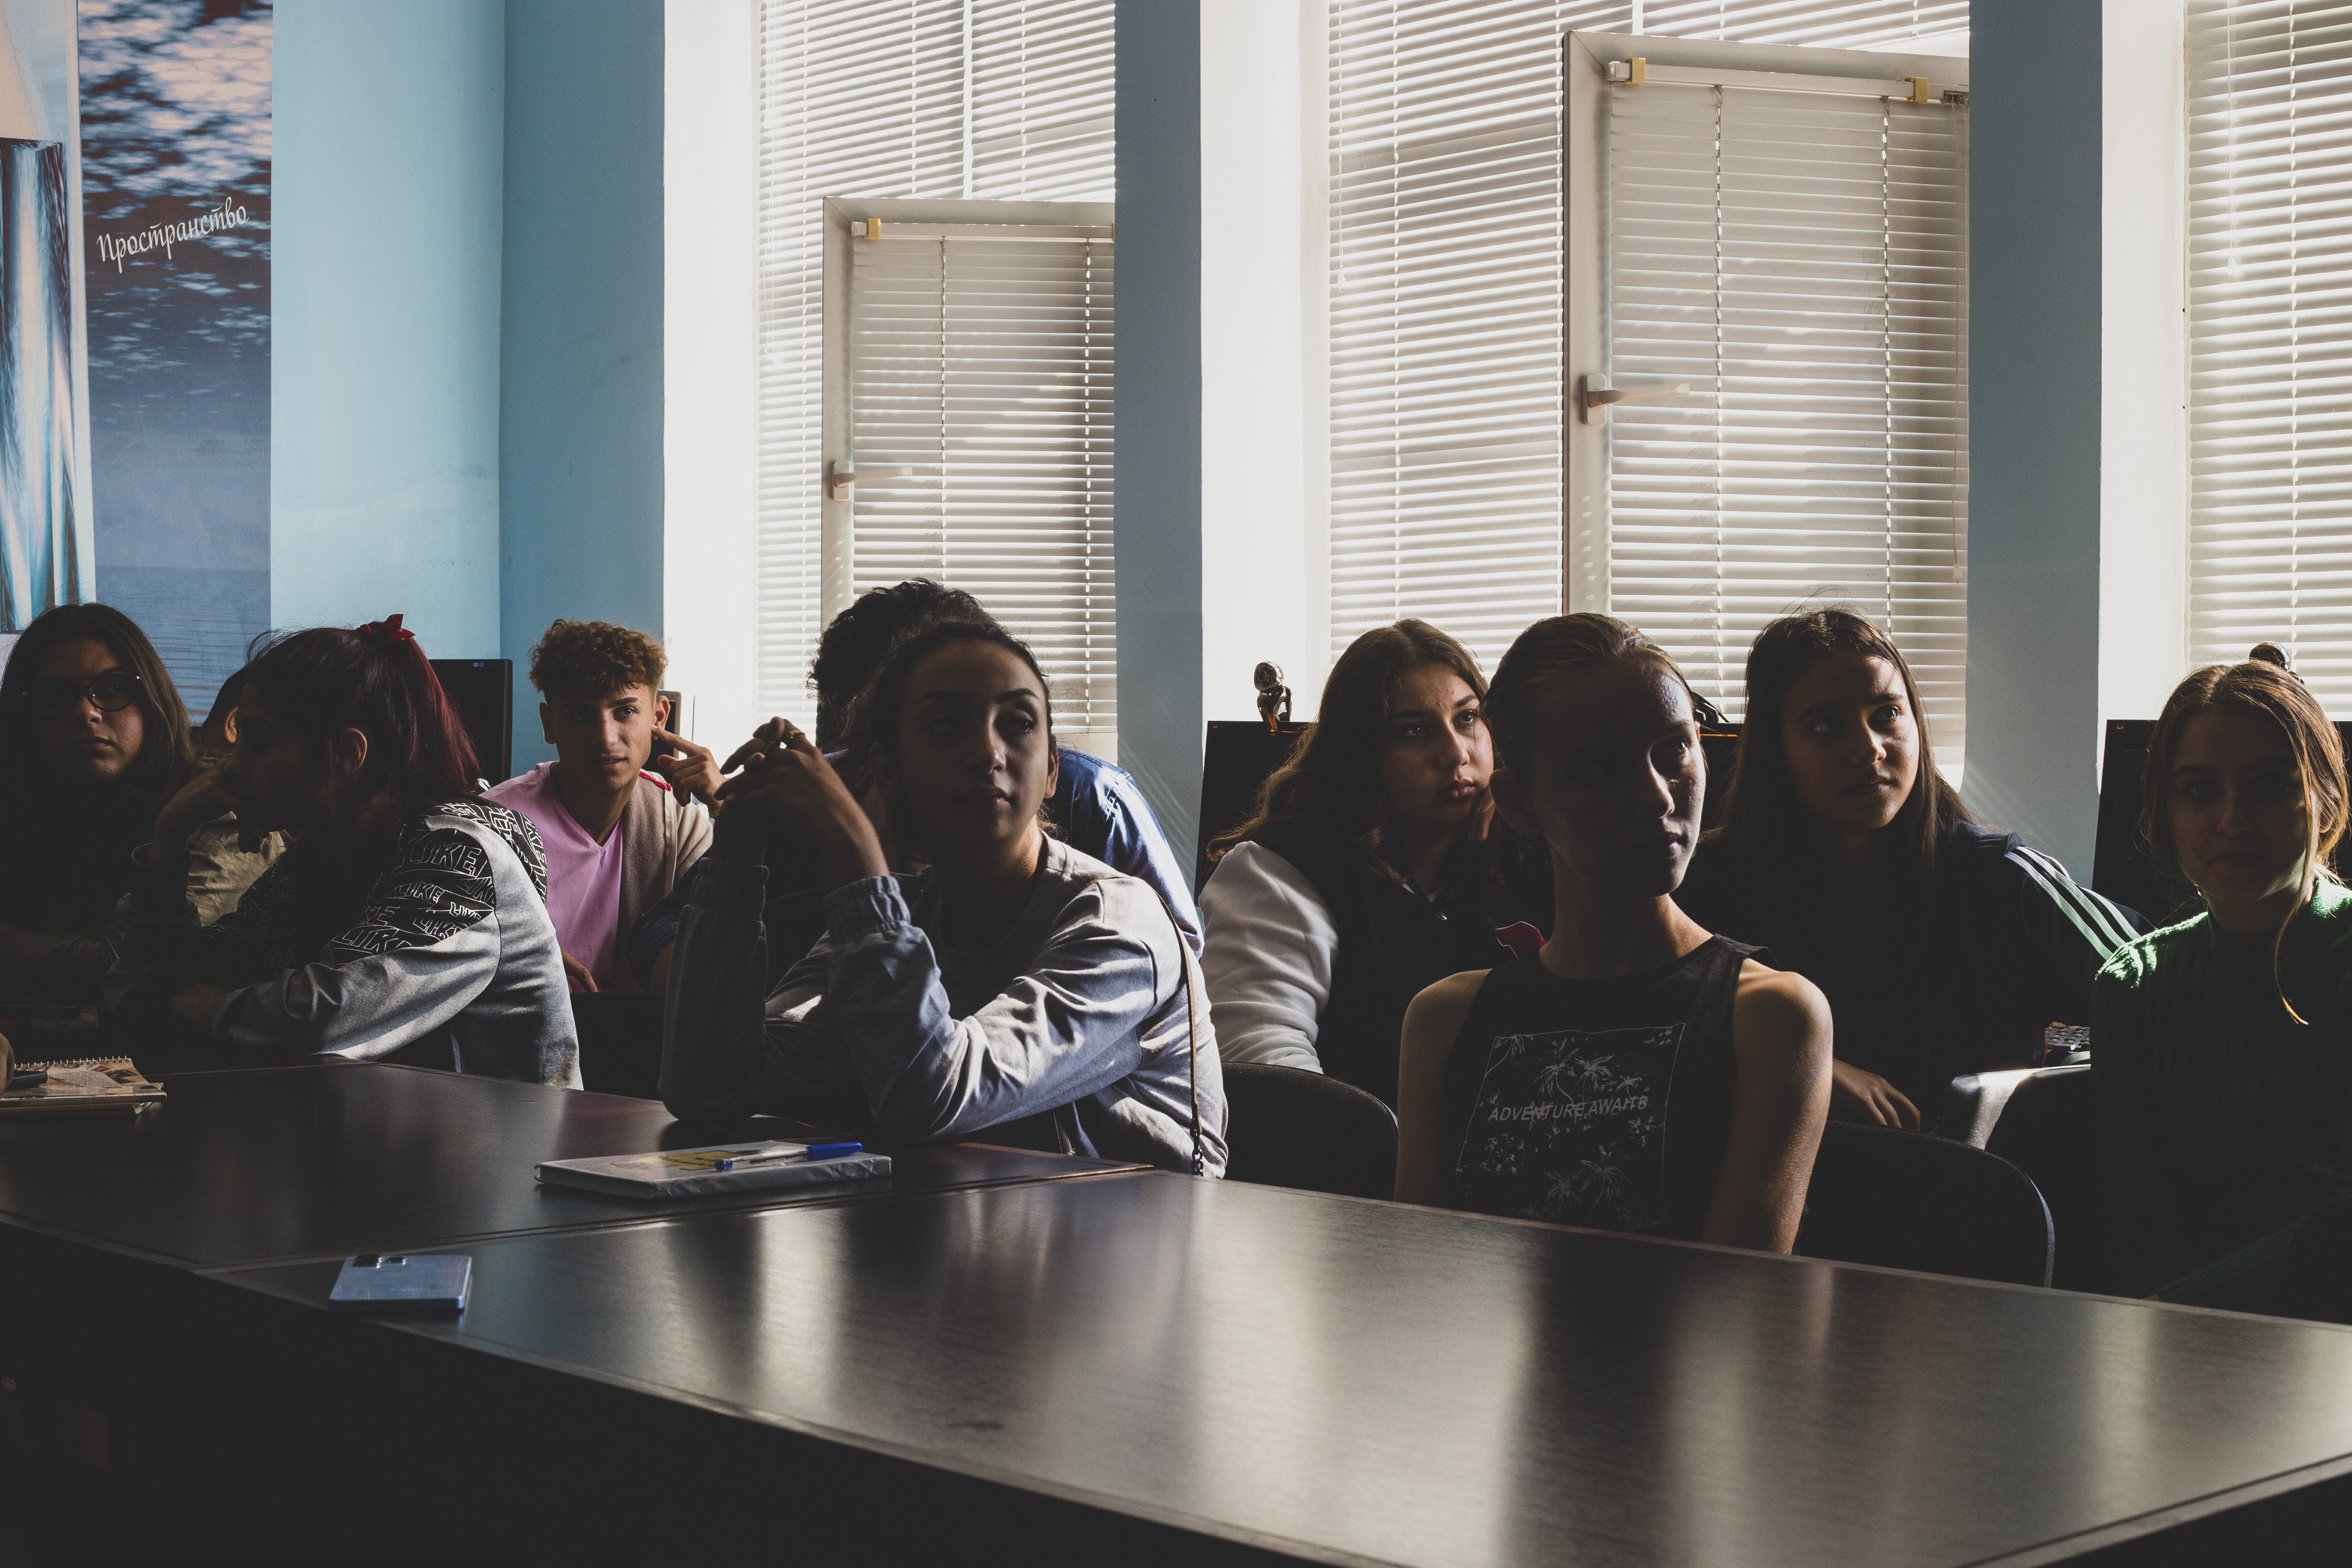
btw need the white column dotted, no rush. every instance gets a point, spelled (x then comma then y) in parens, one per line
(710, 176)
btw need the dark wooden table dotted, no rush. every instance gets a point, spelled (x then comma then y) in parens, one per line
(109, 1327)
(1162, 1369)
(310, 1161)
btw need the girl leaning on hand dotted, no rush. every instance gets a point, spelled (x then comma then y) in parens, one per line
(1015, 986)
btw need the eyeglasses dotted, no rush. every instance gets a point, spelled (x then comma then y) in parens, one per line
(110, 693)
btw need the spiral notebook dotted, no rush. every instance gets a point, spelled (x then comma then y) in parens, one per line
(93, 1086)
(691, 1172)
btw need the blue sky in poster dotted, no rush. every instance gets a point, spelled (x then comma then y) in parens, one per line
(176, 125)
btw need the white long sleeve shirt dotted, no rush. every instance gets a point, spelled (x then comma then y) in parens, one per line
(1268, 958)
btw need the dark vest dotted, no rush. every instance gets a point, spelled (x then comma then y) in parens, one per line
(1393, 943)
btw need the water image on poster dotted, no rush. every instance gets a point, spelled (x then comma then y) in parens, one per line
(176, 128)
(44, 547)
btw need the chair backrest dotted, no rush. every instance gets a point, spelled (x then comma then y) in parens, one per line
(2049, 1130)
(1972, 1103)
(1236, 760)
(1285, 1127)
(1904, 1200)
(619, 1042)
(482, 690)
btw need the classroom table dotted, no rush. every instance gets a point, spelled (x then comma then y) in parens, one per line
(1157, 1368)
(105, 1222)
(311, 1159)
(1120, 1366)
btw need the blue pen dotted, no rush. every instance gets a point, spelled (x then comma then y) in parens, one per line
(790, 1156)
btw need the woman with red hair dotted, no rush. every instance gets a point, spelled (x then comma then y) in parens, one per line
(409, 923)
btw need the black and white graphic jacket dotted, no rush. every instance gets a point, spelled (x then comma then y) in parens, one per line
(451, 962)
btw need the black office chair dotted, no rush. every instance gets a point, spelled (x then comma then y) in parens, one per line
(1902, 1200)
(2049, 1130)
(1285, 1127)
(619, 1042)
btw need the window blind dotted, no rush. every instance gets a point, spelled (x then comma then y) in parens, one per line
(2270, 350)
(1800, 259)
(1444, 276)
(941, 99)
(981, 358)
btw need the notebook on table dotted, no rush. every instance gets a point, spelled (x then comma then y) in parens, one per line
(92, 1086)
(691, 1172)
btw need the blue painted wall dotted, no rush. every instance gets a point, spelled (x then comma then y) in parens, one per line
(468, 276)
(2034, 162)
(580, 407)
(1157, 518)
(385, 385)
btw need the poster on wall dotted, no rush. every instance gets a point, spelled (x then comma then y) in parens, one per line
(175, 126)
(44, 557)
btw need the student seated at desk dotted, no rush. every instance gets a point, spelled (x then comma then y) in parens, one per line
(409, 922)
(1096, 807)
(224, 857)
(1635, 1073)
(1366, 873)
(96, 742)
(1017, 989)
(617, 837)
(1944, 947)
(2224, 1075)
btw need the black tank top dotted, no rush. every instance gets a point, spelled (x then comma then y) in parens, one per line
(1604, 1103)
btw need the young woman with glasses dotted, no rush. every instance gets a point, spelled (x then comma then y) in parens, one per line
(96, 742)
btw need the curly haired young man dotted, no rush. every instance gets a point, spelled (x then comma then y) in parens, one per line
(617, 836)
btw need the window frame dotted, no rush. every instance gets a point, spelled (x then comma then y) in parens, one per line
(1584, 335)
(840, 216)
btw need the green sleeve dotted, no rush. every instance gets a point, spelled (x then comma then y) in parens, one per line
(2143, 1250)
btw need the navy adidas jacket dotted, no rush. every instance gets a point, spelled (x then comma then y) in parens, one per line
(1958, 972)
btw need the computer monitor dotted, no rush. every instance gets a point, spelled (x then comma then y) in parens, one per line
(483, 691)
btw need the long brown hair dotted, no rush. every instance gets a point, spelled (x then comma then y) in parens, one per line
(167, 754)
(2263, 691)
(1335, 772)
(1552, 651)
(1760, 806)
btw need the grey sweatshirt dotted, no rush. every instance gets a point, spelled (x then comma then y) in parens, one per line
(451, 962)
(1082, 1009)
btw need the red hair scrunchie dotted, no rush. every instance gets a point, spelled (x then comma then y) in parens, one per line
(389, 629)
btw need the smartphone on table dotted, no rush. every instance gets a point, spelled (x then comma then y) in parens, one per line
(403, 1282)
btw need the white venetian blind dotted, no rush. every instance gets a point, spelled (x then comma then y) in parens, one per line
(2269, 337)
(941, 99)
(1800, 259)
(981, 358)
(1445, 276)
